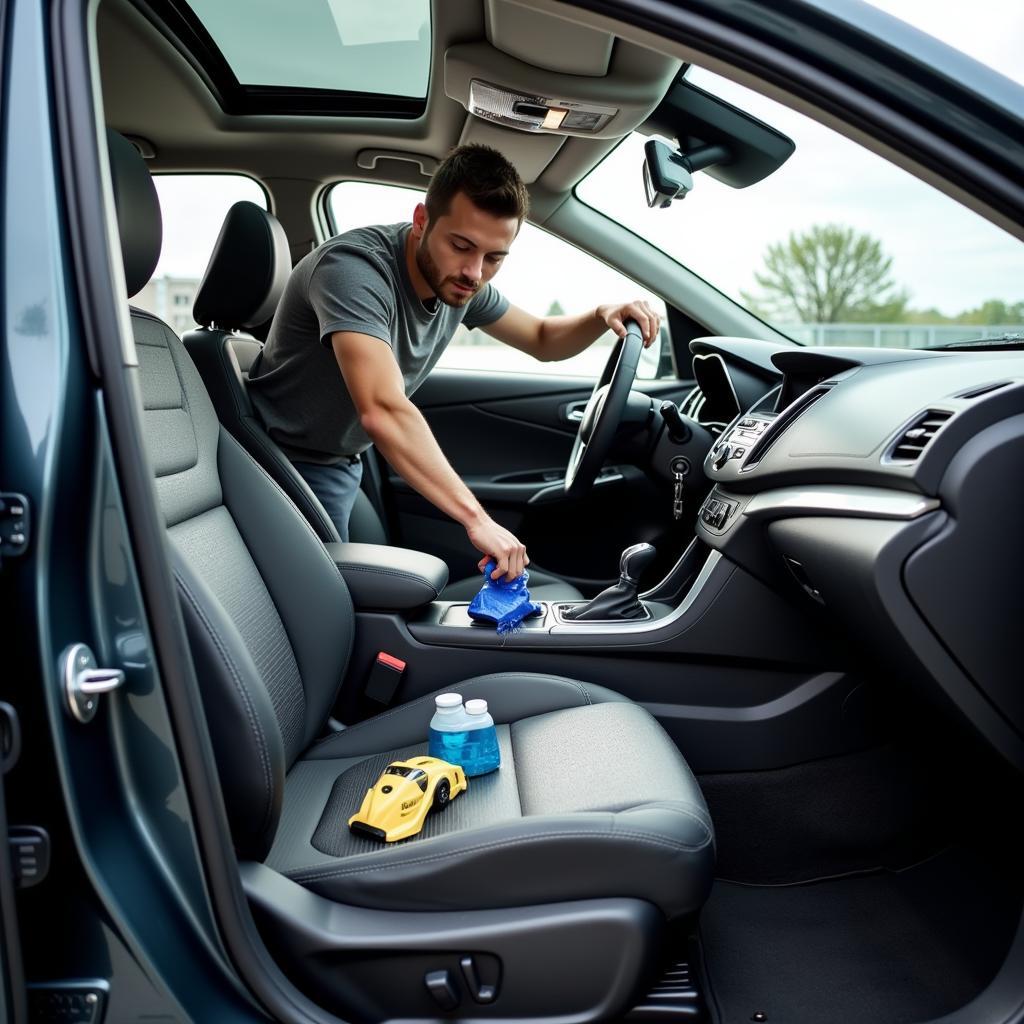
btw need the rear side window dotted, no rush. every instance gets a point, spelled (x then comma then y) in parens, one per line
(193, 207)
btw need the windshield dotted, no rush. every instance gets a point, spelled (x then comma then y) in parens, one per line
(836, 247)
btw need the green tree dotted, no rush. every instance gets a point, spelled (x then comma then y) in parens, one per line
(826, 274)
(555, 309)
(994, 311)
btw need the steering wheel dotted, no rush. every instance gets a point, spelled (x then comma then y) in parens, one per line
(603, 413)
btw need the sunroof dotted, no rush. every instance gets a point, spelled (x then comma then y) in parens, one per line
(380, 47)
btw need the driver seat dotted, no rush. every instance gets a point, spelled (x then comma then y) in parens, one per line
(243, 283)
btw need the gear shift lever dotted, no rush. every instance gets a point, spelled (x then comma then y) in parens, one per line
(620, 601)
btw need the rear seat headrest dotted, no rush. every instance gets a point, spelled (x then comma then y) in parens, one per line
(138, 211)
(247, 272)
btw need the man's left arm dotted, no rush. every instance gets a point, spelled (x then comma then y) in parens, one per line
(552, 338)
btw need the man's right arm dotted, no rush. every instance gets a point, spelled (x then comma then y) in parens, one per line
(403, 437)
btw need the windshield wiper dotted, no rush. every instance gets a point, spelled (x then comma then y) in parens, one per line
(1002, 341)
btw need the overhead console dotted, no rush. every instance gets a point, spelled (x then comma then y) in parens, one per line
(510, 92)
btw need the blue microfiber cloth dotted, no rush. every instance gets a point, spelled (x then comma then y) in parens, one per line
(504, 602)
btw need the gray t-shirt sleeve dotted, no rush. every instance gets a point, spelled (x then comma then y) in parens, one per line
(486, 307)
(350, 291)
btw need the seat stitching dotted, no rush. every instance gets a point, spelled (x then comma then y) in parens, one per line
(585, 692)
(250, 712)
(690, 811)
(641, 837)
(515, 765)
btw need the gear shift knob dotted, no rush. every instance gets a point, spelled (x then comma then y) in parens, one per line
(634, 560)
(620, 601)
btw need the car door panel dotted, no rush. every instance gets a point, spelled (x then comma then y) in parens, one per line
(509, 436)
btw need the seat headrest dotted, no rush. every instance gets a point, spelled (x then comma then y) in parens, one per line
(247, 272)
(138, 211)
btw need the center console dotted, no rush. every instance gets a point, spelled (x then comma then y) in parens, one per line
(695, 577)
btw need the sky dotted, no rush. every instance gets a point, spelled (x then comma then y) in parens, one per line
(944, 255)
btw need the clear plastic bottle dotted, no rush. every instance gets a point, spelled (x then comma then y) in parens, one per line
(480, 752)
(449, 728)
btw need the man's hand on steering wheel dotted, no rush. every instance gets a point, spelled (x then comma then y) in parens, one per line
(639, 310)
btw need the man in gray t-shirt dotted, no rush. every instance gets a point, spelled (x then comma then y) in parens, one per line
(380, 304)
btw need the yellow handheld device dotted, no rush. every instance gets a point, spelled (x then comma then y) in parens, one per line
(398, 803)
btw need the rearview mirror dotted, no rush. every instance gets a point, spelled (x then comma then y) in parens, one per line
(666, 174)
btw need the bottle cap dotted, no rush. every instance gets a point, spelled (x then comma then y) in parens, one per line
(476, 707)
(448, 700)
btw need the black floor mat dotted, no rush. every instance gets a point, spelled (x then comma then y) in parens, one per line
(892, 947)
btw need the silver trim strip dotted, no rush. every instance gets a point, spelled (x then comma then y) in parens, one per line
(632, 627)
(859, 502)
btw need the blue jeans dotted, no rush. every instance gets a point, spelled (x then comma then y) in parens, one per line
(336, 487)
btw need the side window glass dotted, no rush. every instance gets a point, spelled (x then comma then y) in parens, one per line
(193, 208)
(542, 274)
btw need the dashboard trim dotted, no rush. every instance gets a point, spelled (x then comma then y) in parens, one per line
(631, 627)
(851, 501)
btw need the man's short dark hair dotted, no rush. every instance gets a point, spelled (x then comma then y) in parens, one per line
(485, 177)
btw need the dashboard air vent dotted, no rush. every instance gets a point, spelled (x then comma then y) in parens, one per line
(693, 403)
(915, 438)
(983, 390)
(783, 422)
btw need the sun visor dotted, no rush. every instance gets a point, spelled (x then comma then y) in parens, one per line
(546, 41)
(513, 94)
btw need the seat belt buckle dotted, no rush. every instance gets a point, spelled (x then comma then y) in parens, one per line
(385, 675)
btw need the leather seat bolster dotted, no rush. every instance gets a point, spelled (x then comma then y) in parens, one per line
(243, 726)
(510, 696)
(254, 438)
(307, 589)
(669, 850)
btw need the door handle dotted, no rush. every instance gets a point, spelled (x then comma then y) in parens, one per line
(573, 412)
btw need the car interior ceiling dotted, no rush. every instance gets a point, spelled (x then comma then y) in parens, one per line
(838, 842)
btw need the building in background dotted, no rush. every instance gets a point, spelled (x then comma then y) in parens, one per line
(170, 298)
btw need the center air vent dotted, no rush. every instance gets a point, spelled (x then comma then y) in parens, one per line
(783, 422)
(916, 437)
(693, 403)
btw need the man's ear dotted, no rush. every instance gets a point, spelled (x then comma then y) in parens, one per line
(420, 221)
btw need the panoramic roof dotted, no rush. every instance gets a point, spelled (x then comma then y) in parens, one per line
(270, 54)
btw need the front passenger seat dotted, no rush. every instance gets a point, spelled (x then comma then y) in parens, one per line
(544, 890)
(243, 283)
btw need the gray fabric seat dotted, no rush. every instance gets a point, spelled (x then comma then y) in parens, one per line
(244, 279)
(592, 800)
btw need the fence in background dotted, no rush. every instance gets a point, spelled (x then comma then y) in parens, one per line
(894, 335)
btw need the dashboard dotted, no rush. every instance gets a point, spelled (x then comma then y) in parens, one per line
(883, 489)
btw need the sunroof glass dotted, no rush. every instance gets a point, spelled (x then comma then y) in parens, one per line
(368, 46)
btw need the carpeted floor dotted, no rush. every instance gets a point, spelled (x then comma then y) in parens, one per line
(890, 946)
